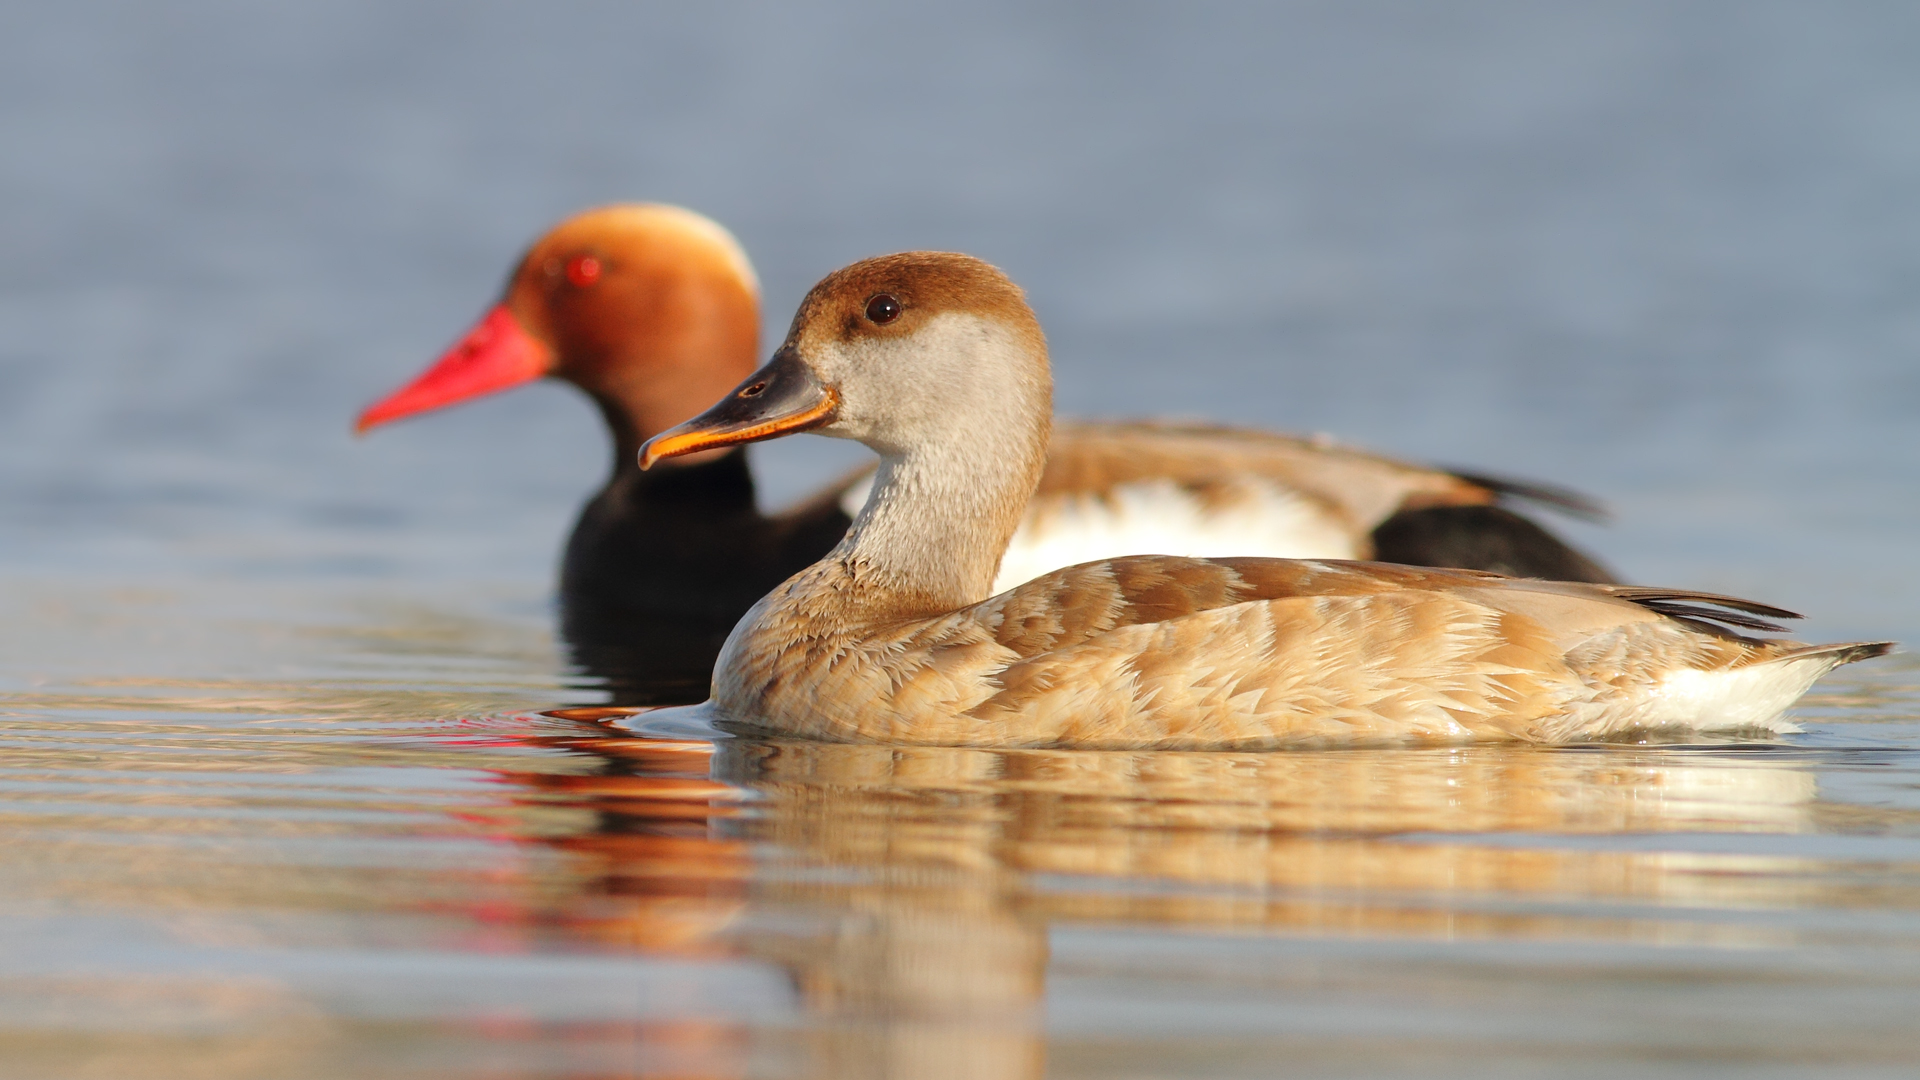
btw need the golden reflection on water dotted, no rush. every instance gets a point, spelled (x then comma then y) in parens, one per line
(926, 879)
(354, 875)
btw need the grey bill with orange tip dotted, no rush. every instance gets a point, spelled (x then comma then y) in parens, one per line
(781, 398)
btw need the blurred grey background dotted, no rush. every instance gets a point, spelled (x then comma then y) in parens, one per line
(1665, 253)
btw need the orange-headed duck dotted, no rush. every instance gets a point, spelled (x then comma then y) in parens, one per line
(936, 363)
(654, 312)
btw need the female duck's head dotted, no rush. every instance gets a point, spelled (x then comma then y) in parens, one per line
(918, 353)
(934, 361)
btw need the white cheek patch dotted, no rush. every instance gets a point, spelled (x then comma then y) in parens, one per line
(947, 383)
(1159, 518)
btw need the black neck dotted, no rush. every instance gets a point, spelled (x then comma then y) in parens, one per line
(721, 486)
(662, 563)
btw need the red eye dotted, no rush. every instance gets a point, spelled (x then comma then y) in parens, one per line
(583, 270)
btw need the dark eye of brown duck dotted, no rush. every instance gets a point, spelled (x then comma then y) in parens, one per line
(883, 309)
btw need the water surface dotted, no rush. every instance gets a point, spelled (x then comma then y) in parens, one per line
(356, 871)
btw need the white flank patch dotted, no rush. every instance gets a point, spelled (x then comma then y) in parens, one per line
(1750, 697)
(1158, 518)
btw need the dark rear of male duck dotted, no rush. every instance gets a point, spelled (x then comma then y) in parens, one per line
(653, 311)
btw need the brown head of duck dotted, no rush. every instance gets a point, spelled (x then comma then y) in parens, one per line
(935, 362)
(652, 310)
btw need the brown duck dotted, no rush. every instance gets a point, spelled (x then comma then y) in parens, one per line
(935, 362)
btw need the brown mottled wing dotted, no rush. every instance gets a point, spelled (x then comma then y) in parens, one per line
(1156, 650)
(1071, 606)
(1162, 651)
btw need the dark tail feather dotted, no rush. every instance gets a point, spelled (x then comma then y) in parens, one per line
(1848, 652)
(1482, 538)
(1651, 596)
(1699, 614)
(1565, 500)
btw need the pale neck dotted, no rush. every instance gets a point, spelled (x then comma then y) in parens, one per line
(932, 533)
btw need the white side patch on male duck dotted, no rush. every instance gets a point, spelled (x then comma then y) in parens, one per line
(1158, 517)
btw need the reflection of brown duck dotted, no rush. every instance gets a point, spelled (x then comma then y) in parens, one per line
(915, 971)
(678, 887)
(1378, 841)
(935, 361)
(944, 826)
(653, 312)
(910, 891)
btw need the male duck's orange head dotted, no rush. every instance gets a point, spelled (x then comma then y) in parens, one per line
(652, 310)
